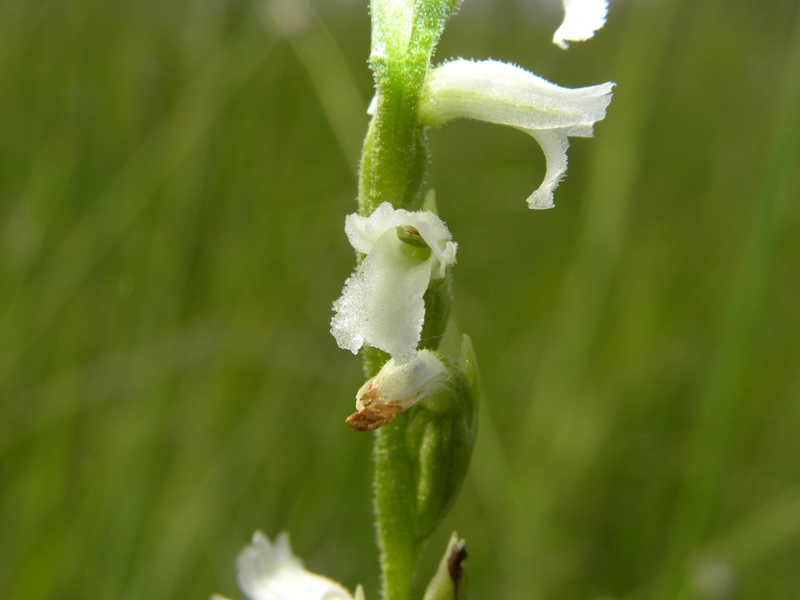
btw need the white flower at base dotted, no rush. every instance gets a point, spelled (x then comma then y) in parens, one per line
(581, 19)
(397, 388)
(500, 93)
(269, 571)
(382, 302)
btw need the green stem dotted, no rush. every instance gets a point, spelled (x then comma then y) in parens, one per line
(395, 511)
(393, 501)
(395, 154)
(393, 163)
(394, 157)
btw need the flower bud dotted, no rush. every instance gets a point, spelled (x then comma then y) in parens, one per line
(397, 388)
(447, 583)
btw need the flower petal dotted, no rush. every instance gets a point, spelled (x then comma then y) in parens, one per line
(382, 303)
(581, 19)
(363, 232)
(271, 572)
(500, 93)
(554, 143)
(434, 232)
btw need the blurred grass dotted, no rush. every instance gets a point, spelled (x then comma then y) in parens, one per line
(173, 181)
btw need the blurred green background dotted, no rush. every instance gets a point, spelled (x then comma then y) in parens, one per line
(174, 177)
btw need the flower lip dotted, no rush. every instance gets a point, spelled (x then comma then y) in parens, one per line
(382, 302)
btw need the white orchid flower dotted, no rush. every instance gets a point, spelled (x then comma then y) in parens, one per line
(267, 571)
(397, 388)
(500, 93)
(581, 19)
(381, 304)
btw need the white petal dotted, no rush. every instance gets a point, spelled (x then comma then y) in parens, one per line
(554, 143)
(363, 232)
(271, 572)
(581, 19)
(434, 232)
(382, 304)
(500, 93)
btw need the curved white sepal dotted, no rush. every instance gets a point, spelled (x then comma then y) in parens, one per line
(554, 143)
(581, 19)
(507, 95)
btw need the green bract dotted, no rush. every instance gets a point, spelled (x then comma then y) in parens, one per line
(421, 459)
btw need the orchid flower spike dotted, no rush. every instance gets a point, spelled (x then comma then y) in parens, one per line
(397, 388)
(268, 571)
(581, 19)
(382, 302)
(500, 93)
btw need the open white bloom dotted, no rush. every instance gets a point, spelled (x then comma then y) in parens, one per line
(381, 304)
(269, 571)
(397, 388)
(581, 19)
(500, 93)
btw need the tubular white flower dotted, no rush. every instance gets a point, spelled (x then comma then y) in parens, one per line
(269, 571)
(397, 388)
(381, 304)
(500, 93)
(581, 19)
